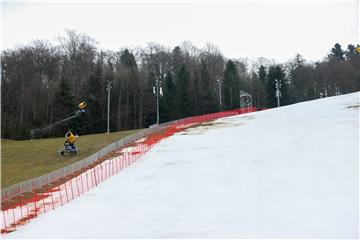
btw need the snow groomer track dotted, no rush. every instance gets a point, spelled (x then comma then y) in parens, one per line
(25, 201)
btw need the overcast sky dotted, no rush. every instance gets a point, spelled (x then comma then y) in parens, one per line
(273, 29)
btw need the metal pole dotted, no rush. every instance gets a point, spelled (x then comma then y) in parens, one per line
(240, 98)
(157, 102)
(277, 92)
(108, 108)
(219, 82)
(220, 97)
(278, 101)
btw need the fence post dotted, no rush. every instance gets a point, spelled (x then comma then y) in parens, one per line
(81, 182)
(122, 162)
(14, 217)
(112, 165)
(44, 205)
(27, 208)
(92, 180)
(94, 176)
(35, 204)
(118, 164)
(87, 181)
(52, 198)
(5, 225)
(21, 209)
(77, 186)
(71, 186)
(67, 198)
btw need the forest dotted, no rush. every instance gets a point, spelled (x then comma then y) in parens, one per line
(44, 82)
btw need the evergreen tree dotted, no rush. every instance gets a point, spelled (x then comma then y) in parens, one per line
(260, 83)
(95, 91)
(262, 73)
(351, 51)
(207, 99)
(64, 106)
(170, 100)
(185, 105)
(231, 87)
(302, 84)
(177, 60)
(127, 59)
(337, 53)
(197, 92)
(130, 91)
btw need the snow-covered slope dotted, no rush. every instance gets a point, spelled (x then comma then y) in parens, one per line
(291, 172)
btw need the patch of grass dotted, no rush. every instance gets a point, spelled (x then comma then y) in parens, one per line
(355, 106)
(23, 160)
(212, 124)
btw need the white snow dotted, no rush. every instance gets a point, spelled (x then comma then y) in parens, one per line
(291, 172)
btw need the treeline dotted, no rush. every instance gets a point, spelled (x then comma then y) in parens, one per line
(42, 83)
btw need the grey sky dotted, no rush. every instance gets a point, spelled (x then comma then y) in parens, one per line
(274, 29)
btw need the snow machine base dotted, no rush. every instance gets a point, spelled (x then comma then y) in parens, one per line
(72, 151)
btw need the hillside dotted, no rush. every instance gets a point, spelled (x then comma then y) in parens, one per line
(27, 159)
(291, 172)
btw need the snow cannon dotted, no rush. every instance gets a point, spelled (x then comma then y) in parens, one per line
(81, 108)
(69, 145)
(358, 50)
(70, 137)
(82, 105)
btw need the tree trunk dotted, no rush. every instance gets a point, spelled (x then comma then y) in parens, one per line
(22, 106)
(34, 110)
(118, 116)
(126, 110)
(140, 124)
(134, 111)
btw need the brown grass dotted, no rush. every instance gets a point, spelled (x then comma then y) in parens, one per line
(23, 160)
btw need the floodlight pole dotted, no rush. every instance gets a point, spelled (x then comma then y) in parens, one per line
(219, 83)
(157, 90)
(278, 93)
(108, 107)
(240, 98)
(157, 102)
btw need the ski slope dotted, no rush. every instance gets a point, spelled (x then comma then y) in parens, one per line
(291, 172)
